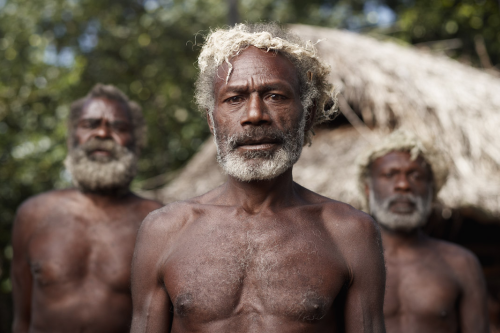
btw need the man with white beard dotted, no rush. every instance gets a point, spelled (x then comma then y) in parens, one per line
(432, 285)
(260, 253)
(73, 248)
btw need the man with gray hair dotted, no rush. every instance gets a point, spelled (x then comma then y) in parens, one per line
(260, 253)
(73, 248)
(432, 285)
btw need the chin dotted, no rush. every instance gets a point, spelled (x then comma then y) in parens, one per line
(400, 222)
(255, 169)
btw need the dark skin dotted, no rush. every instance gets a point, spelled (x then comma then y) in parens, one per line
(432, 285)
(72, 250)
(258, 256)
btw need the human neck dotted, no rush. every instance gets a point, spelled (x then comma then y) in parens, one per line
(402, 239)
(255, 196)
(107, 195)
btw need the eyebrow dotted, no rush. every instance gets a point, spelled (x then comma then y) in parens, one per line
(118, 121)
(264, 88)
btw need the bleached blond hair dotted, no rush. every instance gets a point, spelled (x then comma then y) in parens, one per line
(402, 140)
(222, 45)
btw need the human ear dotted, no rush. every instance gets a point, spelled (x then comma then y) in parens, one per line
(210, 121)
(367, 189)
(71, 138)
(311, 114)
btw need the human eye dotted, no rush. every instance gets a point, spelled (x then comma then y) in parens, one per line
(416, 175)
(88, 123)
(277, 97)
(234, 99)
(120, 126)
(389, 174)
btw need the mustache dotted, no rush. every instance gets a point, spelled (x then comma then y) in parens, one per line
(412, 199)
(115, 150)
(99, 144)
(256, 135)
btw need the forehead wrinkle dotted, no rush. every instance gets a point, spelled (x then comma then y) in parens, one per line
(264, 87)
(263, 73)
(247, 64)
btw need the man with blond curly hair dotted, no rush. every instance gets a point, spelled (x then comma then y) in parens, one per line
(432, 285)
(260, 253)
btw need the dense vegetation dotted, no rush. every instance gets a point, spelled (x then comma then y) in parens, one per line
(53, 51)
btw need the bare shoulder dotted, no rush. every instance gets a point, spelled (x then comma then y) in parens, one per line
(343, 221)
(47, 198)
(147, 205)
(38, 205)
(457, 257)
(357, 237)
(34, 209)
(166, 222)
(355, 233)
(347, 221)
(337, 213)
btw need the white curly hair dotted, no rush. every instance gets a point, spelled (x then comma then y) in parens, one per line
(401, 140)
(222, 45)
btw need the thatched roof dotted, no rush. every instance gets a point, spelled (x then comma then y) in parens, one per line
(389, 86)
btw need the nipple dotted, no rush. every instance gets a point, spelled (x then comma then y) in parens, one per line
(183, 304)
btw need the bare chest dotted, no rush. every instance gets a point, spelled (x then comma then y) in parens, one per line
(74, 250)
(223, 272)
(426, 289)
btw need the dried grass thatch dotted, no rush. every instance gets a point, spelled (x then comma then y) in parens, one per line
(390, 86)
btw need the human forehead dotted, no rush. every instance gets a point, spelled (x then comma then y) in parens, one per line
(399, 160)
(254, 63)
(100, 107)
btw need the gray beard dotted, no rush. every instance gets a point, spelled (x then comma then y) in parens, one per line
(259, 165)
(401, 222)
(102, 173)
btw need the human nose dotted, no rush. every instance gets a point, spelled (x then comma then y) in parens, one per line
(256, 112)
(402, 184)
(102, 131)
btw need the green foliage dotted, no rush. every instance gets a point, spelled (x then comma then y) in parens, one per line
(435, 20)
(53, 52)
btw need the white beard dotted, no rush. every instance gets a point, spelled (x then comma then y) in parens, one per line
(99, 174)
(259, 165)
(401, 222)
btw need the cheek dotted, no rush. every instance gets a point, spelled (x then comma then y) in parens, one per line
(382, 188)
(423, 190)
(224, 122)
(287, 119)
(80, 136)
(124, 139)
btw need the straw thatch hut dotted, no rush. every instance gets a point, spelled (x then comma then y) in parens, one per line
(384, 86)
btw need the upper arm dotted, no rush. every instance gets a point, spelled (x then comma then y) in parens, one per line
(20, 270)
(365, 296)
(151, 304)
(473, 302)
